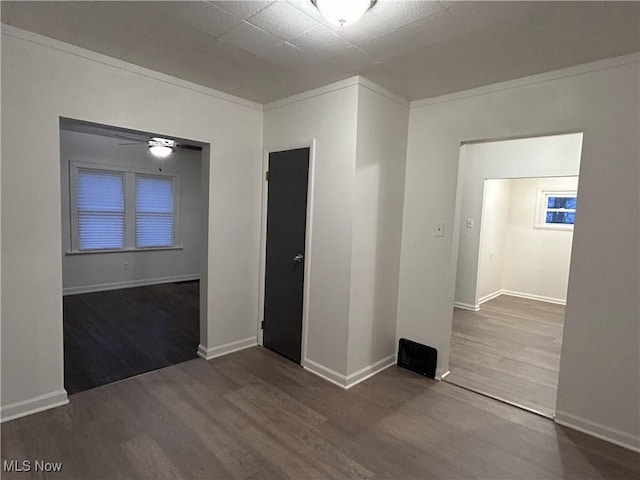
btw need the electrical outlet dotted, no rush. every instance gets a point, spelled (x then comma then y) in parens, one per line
(439, 232)
(125, 266)
(469, 222)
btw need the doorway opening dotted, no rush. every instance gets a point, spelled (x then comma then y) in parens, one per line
(285, 251)
(133, 229)
(517, 209)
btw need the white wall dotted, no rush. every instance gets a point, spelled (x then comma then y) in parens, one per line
(557, 155)
(96, 271)
(43, 80)
(329, 117)
(599, 383)
(493, 234)
(360, 134)
(377, 227)
(537, 260)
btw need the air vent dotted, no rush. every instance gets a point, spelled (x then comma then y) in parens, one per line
(417, 357)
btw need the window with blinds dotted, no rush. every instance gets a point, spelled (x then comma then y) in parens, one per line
(100, 198)
(154, 211)
(123, 210)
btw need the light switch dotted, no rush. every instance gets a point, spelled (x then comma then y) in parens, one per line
(469, 222)
(439, 229)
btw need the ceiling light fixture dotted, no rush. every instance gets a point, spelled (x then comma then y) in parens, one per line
(161, 147)
(343, 12)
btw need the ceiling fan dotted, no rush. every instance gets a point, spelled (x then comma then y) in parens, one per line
(158, 146)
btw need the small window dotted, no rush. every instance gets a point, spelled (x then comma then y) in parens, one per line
(561, 209)
(556, 210)
(100, 197)
(154, 211)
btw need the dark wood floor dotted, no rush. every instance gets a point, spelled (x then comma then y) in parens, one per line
(254, 414)
(113, 335)
(510, 349)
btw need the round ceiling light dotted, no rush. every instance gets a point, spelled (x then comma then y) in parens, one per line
(161, 147)
(343, 12)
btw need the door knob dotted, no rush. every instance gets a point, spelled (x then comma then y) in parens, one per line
(298, 258)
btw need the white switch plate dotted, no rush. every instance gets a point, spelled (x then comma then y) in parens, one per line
(439, 229)
(469, 222)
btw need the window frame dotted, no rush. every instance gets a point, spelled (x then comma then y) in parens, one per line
(542, 208)
(129, 175)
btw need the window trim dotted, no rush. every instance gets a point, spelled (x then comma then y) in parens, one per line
(541, 209)
(129, 173)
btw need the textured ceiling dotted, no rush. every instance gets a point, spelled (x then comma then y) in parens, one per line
(267, 50)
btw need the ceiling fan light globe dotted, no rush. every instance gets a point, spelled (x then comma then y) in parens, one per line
(160, 151)
(343, 12)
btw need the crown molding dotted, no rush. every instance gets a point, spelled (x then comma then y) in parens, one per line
(374, 87)
(334, 87)
(316, 92)
(67, 48)
(576, 70)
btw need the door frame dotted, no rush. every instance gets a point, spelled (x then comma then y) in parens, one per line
(463, 162)
(311, 145)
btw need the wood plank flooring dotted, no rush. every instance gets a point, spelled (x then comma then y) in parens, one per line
(510, 350)
(116, 334)
(254, 414)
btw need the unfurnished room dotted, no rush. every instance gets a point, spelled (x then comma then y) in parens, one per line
(320, 239)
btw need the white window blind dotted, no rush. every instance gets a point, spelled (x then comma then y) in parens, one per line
(154, 211)
(100, 197)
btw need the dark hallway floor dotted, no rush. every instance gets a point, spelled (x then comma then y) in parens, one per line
(116, 334)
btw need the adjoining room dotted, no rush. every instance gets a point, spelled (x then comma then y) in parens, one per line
(132, 241)
(513, 266)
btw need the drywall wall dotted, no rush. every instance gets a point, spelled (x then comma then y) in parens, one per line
(515, 257)
(536, 263)
(493, 234)
(377, 227)
(557, 155)
(43, 80)
(329, 117)
(600, 366)
(97, 271)
(360, 133)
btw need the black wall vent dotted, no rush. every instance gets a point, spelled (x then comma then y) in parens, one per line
(417, 357)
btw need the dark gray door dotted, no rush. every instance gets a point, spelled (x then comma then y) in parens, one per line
(284, 270)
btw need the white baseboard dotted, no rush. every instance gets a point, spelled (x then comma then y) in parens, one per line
(369, 371)
(611, 435)
(33, 405)
(491, 296)
(214, 352)
(348, 381)
(326, 373)
(103, 287)
(466, 306)
(531, 296)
